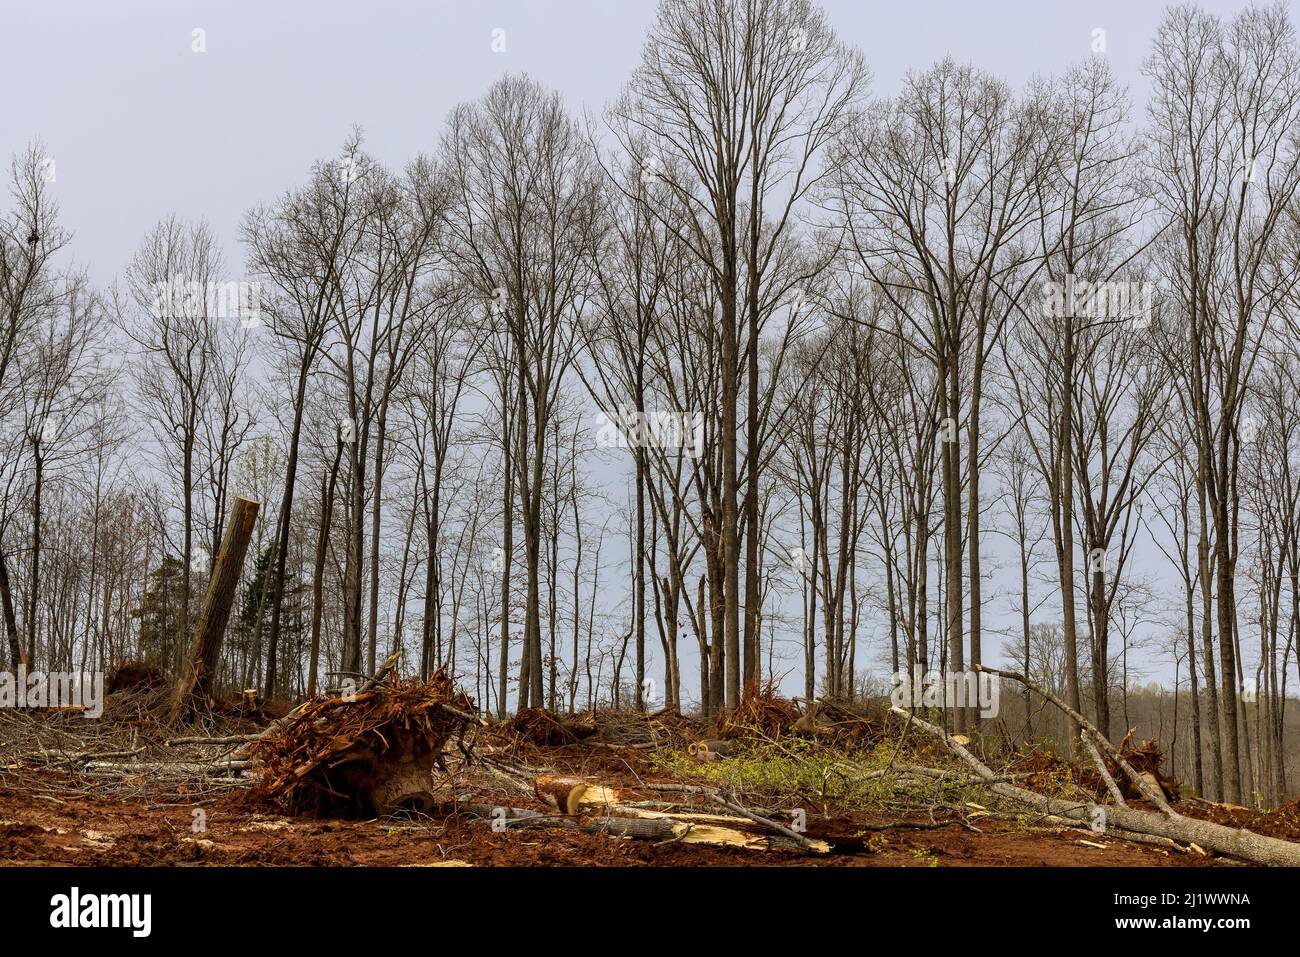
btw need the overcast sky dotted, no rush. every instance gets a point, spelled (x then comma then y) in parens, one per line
(140, 126)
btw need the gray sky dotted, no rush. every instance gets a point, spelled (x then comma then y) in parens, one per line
(140, 126)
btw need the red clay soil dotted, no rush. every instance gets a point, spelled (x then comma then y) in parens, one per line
(74, 829)
(1282, 822)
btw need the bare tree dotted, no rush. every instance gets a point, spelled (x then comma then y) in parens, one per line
(737, 101)
(1224, 108)
(525, 209)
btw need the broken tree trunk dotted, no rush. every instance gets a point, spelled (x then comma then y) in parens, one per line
(1148, 789)
(1234, 842)
(196, 676)
(747, 829)
(571, 795)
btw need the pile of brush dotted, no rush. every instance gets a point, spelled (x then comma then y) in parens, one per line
(373, 752)
(538, 726)
(848, 726)
(1049, 772)
(1146, 759)
(760, 712)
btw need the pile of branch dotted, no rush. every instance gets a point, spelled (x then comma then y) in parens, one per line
(604, 728)
(134, 674)
(538, 726)
(762, 712)
(1045, 771)
(374, 751)
(849, 727)
(675, 730)
(121, 754)
(1146, 759)
(625, 729)
(1125, 822)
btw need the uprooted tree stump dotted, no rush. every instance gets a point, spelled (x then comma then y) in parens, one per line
(374, 752)
(392, 786)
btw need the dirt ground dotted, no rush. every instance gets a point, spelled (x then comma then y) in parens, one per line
(42, 824)
(53, 814)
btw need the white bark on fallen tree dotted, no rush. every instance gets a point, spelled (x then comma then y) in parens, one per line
(572, 795)
(620, 820)
(1149, 790)
(1233, 842)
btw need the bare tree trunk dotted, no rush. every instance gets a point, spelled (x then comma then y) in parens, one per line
(318, 570)
(1207, 639)
(34, 565)
(376, 508)
(17, 654)
(283, 528)
(507, 552)
(205, 652)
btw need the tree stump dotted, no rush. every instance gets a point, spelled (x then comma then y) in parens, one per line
(405, 784)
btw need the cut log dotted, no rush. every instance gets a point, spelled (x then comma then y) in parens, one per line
(710, 750)
(205, 649)
(572, 795)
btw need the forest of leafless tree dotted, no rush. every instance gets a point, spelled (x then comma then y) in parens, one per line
(749, 377)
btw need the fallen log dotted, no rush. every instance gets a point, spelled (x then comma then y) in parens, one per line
(94, 756)
(1111, 786)
(1233, 842)
(228, 739)
(638, 824)
(574, 796)
(634, 828)
(166, 767)
(1151, 792)
(637, 828)
(571, 795)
